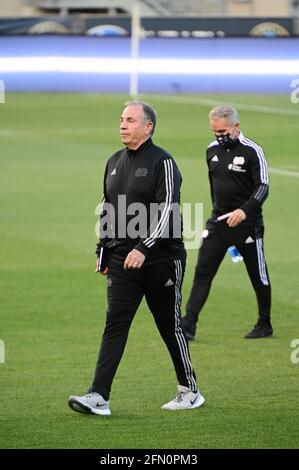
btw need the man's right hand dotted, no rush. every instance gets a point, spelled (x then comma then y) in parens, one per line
(236, 217)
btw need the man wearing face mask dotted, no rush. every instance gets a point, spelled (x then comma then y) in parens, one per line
(239, 185)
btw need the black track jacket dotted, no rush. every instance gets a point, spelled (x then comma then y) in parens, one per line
(148, 175)
(238, 179)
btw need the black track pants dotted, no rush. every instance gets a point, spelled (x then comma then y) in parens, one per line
(216, 239)
(161, 286)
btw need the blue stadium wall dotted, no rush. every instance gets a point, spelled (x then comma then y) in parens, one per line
(284, 52)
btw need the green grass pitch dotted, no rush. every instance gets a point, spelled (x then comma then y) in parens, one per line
(53, 151)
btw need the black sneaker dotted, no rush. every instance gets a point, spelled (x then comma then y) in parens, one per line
(261, 330)
(189, 328)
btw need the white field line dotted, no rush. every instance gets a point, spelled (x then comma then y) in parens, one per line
(242, 106)
(183, 99)
(246, 107)
(278, 171)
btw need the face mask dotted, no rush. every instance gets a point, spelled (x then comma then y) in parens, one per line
(225, 140)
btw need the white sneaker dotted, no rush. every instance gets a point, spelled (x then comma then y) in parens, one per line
(185, 400)
(92, 403)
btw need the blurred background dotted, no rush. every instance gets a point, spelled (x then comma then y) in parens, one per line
(66, 69)
(189, 46)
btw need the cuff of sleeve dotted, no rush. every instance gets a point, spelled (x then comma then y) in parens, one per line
(142, 248)
(244, 208)
(249, 206)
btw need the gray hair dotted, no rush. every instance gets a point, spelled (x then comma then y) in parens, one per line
(149, 114)
(228, 112)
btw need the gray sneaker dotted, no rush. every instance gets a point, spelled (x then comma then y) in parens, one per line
(185, 400)
(92, 403)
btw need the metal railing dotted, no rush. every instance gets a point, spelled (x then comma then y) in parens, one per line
(188, 7)
(177, 7)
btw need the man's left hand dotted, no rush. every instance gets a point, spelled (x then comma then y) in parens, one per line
(134, 260)
(236, 218)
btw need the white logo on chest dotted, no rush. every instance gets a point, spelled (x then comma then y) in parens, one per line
(233, 167)
(237, 164)
(239, 161)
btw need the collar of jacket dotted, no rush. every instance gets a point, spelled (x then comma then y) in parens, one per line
(142, 147)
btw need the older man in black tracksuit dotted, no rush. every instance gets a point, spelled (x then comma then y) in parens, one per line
(141, 256)
(239, 185)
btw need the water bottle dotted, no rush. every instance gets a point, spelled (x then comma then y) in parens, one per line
(234, 253)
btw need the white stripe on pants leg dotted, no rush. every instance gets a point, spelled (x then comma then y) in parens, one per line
(178, 330)
(261, 261)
